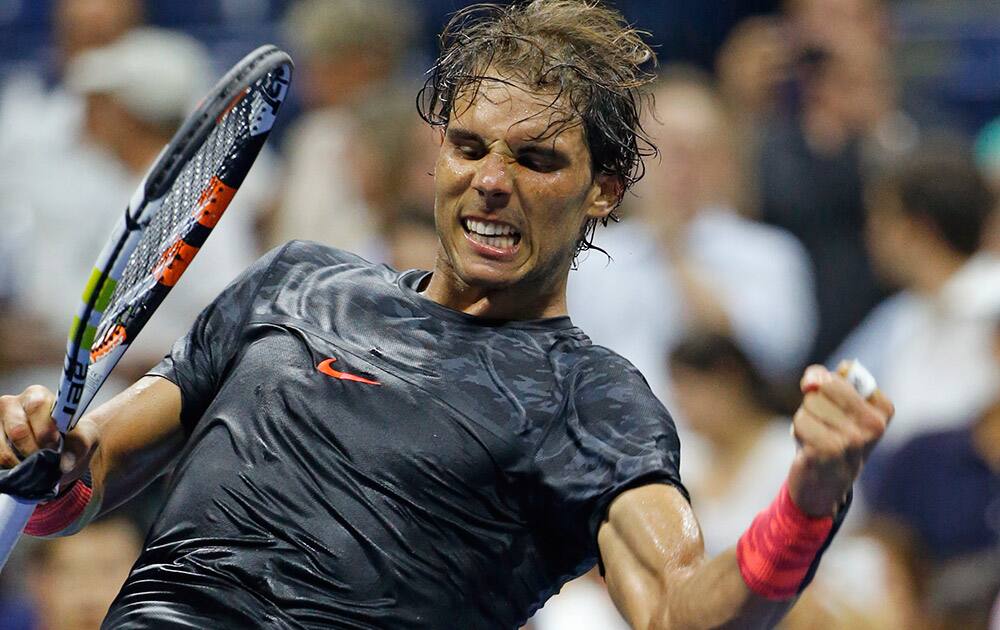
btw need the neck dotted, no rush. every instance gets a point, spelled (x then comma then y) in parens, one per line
(935, 271)
(524, 300)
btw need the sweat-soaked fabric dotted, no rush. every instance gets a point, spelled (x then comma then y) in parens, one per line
(461, 491)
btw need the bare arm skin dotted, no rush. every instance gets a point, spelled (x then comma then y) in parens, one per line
(126, 442)
(141, 434)
(657, 572)
(654, 558)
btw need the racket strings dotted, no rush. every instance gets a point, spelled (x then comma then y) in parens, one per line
(179, 209)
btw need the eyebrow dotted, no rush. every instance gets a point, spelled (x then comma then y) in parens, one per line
(456, 134)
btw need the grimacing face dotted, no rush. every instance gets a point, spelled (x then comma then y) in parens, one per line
(510, 207)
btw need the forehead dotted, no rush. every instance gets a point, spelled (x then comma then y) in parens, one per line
(497, 108)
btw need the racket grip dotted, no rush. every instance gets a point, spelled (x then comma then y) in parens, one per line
(14, 515)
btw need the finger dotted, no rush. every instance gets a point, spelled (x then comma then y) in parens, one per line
(852, 436)
(7, 457)
(16, 427)
(825, 409)
(883, 404)
(842, 394)
(877, 397)
(37, 403)
(79, 446)
(817, 439)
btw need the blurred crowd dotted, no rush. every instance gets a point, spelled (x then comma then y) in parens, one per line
(826, 188)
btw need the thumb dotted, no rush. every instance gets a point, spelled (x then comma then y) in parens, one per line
(78, 447)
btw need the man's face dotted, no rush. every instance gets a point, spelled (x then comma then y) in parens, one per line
(509, 207)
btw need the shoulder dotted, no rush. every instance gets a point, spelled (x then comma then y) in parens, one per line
(593, 361)
(317, 254)
(296, 260)
(606, 384)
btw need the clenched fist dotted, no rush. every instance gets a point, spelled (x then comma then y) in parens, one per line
(28, 426)
(836, 430)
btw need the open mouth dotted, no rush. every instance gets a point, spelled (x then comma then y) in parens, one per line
(492, 234)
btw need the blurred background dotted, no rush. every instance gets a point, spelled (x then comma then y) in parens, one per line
(826, 189)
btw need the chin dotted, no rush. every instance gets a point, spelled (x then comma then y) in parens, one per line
(485, 276)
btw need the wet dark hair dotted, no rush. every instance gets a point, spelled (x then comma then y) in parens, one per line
(585, 55)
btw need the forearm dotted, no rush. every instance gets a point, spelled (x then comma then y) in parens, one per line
(659, 576)
(141, 434)
(714, 595)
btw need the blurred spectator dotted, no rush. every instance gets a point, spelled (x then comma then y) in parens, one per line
(686, 259)
(412, 240)
(347, 53)
(937, 511)
(73, 580)
(36, 117)
(82, 25)
(135, 92)
(929, 345)
(724, 399)
(815, 98)
(395, 155)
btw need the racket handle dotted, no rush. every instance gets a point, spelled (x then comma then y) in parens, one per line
(14, 515)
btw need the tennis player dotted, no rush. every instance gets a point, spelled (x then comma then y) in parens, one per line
(355, 447)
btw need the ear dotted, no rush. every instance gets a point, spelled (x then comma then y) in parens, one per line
(603, 195)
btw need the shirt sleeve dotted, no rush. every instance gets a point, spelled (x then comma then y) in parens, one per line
(613, 435)
(199, 360)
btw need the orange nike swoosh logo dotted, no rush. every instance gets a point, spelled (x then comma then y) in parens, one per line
(326, 368)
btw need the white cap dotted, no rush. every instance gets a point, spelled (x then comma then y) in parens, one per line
(158, 75)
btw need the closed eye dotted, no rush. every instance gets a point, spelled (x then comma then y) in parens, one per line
(471, 151)
(468, 144)
(542, 160)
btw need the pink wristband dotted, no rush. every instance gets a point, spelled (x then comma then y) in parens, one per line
(776, 552)
(56, 515)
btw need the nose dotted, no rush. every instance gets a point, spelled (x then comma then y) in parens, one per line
(492, 181)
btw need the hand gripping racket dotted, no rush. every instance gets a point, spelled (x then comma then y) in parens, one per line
(172, 212)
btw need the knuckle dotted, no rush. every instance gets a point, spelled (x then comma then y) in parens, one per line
(7, 459)
(36, 398)
(17, 430)
(856, 441)
(873, 420)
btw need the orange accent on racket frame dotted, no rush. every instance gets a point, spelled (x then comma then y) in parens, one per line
(111, 340)
(173, 262)
(213, 202)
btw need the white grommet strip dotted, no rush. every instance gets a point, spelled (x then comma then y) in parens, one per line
(861, 379)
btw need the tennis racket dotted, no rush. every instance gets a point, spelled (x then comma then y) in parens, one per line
(172, 212)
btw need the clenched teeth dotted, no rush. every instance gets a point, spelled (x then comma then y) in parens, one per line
(497, 242)
(485, 228)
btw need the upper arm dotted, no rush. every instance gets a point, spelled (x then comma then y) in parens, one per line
(141, 433)
(650, 540)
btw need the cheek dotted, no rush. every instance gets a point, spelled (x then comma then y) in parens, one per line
(559, 201)
(450, 178)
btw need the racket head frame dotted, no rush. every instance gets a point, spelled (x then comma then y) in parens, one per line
(263, 75)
